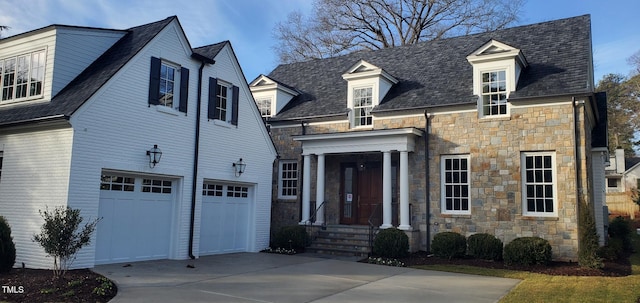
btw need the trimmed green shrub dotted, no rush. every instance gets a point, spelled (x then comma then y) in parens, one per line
(7, 247)
(588, 239)
(527, 251)
(485, 246)
(291, 237)
(449, 245)
(619, 228)
(613, 250)
(391, 243)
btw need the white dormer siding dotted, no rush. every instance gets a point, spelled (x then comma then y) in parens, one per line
(69, 49)
(362, 78)
(263, 88)
(496, 71)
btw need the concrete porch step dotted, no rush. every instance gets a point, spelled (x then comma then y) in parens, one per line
(341, 240)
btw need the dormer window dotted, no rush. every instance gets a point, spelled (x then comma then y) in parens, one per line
(21, 76)
(496, 70)
(362, 106)
(494, 93)
(367, 85)
(271, 96)
(264, 105)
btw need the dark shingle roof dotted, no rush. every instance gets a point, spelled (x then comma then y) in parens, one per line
(79, 90)
(210, 51)
(437, 72)
(629, 163)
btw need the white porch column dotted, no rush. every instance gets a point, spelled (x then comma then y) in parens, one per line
(306, 188)
(320, 191)
(404, 191)
(386, 190)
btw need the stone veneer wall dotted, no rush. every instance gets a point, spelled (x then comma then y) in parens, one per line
(495, 147)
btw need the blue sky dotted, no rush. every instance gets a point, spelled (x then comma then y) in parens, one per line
(249, 24)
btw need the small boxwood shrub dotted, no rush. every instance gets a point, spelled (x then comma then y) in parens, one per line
(7, 247)
(527, 251)
(612, 251)
(391, 243)
(291, 237)
(485, 246)
(449, 245)
(619, 228)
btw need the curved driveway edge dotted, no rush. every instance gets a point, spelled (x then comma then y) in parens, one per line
(262, 277)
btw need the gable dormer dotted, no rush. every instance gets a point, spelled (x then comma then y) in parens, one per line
(496, 71)
(367, 85)
(271, 96)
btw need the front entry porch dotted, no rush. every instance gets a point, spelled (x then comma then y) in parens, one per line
(367, 172)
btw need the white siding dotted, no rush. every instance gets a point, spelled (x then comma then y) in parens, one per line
(116, 127)
(220, 146)
(76, 49)
(599, 189)
(35, 174)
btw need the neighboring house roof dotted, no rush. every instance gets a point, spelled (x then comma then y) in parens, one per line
(631, 163)
(437, 73)
(87, 83)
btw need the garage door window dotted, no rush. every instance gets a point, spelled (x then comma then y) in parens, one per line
(237, 191)
(117, 183)
(212, 190)
(156, 186)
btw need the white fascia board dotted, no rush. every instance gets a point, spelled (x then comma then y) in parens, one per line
(362, 141)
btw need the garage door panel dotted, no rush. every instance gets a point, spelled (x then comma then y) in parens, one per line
(224, 224)
(136, 225)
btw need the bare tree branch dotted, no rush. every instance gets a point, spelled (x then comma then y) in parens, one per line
(342, 26)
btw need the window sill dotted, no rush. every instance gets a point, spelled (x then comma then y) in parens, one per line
(539, 218)
(495, 118)
(167, 110)
(222, 123)
(32, 99)
(447, 215)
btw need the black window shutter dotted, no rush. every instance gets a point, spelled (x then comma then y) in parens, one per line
(184, 89)
(234, 106)
(213, 87)
(154, 82)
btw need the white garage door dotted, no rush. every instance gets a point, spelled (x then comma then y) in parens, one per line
(136, 218)
(225, 218)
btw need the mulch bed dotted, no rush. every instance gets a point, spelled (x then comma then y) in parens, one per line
(38, 285)
(611, 269)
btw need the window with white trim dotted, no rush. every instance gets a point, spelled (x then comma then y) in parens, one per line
(264, 105)
(455, 184)
(167, 85)
(22, 76)
(494, 93)
(223, 102)
(362, 106)
(539, 184)
(117, 183)
(156, 186)
(288, 180)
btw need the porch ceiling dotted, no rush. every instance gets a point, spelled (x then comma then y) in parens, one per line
(402, 139)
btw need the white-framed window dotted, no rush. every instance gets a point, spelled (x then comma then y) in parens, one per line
(168, 85)
(156, 186)
(288, 180)
(117, 183)
(362, 106)
(455, 184)
(22, 76)
(223, 102)
(539, 184)
(494, 93)
(264, 105)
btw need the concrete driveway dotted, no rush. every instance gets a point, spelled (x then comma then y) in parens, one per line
(262, 277)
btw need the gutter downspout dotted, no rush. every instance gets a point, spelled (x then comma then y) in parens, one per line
(576, 138)
(427, 182)
(194, 180)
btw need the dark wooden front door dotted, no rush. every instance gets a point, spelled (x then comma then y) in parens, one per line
(361, 192)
